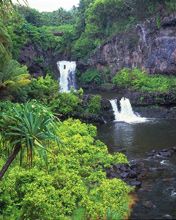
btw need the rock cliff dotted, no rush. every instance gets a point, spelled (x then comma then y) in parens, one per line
(38, 60)
(150, 45)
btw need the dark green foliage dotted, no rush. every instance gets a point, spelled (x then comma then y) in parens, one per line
(28, 125)
(55, 18)
(5, 46)
(91, 76)
(140, 80)
(94, 105)
(13, 79)
(31, 15)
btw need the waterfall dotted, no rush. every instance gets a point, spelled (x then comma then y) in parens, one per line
(115, 108)
(67, 75)
(125, 113)
(142, 33)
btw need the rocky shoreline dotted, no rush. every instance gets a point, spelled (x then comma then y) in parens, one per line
(137, 170)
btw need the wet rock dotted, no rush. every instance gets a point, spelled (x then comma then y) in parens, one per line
(168, 179)
(167, 216)
(174, 149)
(124, 175)
(124, 167)
(117, 166)
(164, 153)
(133, 49)
(142, 174)
(132, 174)
(135, 183)
(148, 204)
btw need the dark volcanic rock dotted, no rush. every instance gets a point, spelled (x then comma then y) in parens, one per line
(39, 60)
(132, 174)
(148, 204)
(146, 46)
(164, 153)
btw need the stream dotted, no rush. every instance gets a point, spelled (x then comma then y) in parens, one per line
(157, 195)
(138, 137)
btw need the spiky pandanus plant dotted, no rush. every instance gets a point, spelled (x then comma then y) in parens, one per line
(26, 127)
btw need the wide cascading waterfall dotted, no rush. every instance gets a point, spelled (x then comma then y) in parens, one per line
(67, 71)
(125, 114)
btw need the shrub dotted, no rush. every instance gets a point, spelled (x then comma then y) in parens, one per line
(75, 182)
(140, 80)
(91, 76)
(44, 89)
(94, 104)
(67, 103)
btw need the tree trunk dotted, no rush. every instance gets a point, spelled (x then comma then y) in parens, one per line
(10, 159)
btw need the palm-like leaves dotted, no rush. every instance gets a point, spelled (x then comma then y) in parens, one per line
(28, 125)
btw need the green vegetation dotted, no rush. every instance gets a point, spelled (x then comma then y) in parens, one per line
(51, 169)
(94, 104)
(23, 127)
(75, 179)
(139, 80)
(82, 29)
(91, 76)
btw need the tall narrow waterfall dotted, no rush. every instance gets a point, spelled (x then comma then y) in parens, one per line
(126, 113)
(142, 33)
(115, 108)
(67, 75)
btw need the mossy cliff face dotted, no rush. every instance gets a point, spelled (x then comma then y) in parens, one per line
(150, 46)
(38, 60)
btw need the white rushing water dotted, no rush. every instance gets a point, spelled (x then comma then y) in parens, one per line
(125, 114)
(142, 33)
(67, 71)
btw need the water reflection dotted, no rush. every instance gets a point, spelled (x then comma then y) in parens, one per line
(159, 188)
(138, 139)
(123, 134)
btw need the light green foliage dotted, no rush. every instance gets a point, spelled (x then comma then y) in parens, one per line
(94, 104)
(140, 80)
(65, 43)
(101, 15)
(75, 186)
(44, 89)
(67, 103)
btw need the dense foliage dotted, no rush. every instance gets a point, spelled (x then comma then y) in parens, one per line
(75, 183)
(93, 22)
(139, 80)
(53, 169)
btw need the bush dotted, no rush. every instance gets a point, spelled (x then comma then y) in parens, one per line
(67, 103)
(75, 182)
(141, 81)
(94, 104)
(44, 89)
(91, 76)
